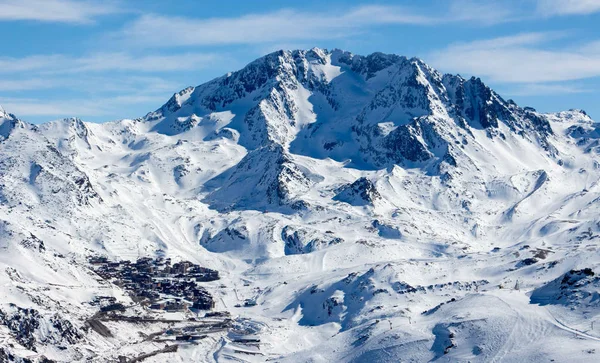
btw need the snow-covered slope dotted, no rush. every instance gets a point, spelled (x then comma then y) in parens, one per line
(357, 209)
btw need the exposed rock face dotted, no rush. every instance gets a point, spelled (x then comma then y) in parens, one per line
(575, 288)
(22, 324)
(360, 192)
(34, 243)
(8, 122)
(287, 96)
(301, 240)
(265, 178)
(29, 328)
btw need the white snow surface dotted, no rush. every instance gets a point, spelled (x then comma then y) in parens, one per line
(476, 212)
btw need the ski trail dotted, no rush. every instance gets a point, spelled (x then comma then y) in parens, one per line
(528, 327)
(565, 327)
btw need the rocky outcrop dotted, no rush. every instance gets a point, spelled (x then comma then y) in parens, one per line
(29, 328)
(360, 192)
(574, 288)
(303, 240)
(266, 178)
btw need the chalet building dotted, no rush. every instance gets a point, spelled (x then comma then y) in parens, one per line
(158, 306)
(204, 304)
(174, 306)
(113, 307)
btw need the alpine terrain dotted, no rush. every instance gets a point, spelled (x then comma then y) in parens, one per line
(314, 206)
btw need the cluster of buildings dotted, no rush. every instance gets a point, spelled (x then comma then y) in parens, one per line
(158, 283)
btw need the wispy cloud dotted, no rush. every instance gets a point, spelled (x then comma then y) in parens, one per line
(101, 83)
(23, 85)
(33, 62)
(98, 96)
(98, 85)
(516, 40)
(293, 26)
(544, 89)
(151, 30)
(24, 107)
(567, 7)
(520, 59)
(109, 62)
(100, 106)
(60, 11)
(166, 31)
(147, 63)
(482, 12)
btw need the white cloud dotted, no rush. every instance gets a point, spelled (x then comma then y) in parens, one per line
(34, 62)
(522, 39)
(23, 84)
(483, 12)
(567, 7)
(96, 84)
(544, 89)
(520, 59)
(23, 107)
(592, 48)
(97, 107)
(96, 96)
(285, 26)
(280, 26)
(108, 62)
(62, 11)
(290, 26)
(151, 63)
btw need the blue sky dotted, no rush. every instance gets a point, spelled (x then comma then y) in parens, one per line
(104, 60)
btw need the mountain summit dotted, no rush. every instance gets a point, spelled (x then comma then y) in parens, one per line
(325, 206)
(377, 110)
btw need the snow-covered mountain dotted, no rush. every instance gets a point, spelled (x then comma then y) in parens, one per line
(356, 208)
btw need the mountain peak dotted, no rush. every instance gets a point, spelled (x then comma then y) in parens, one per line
(5, 115)
(380, 105)
(8, 122)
